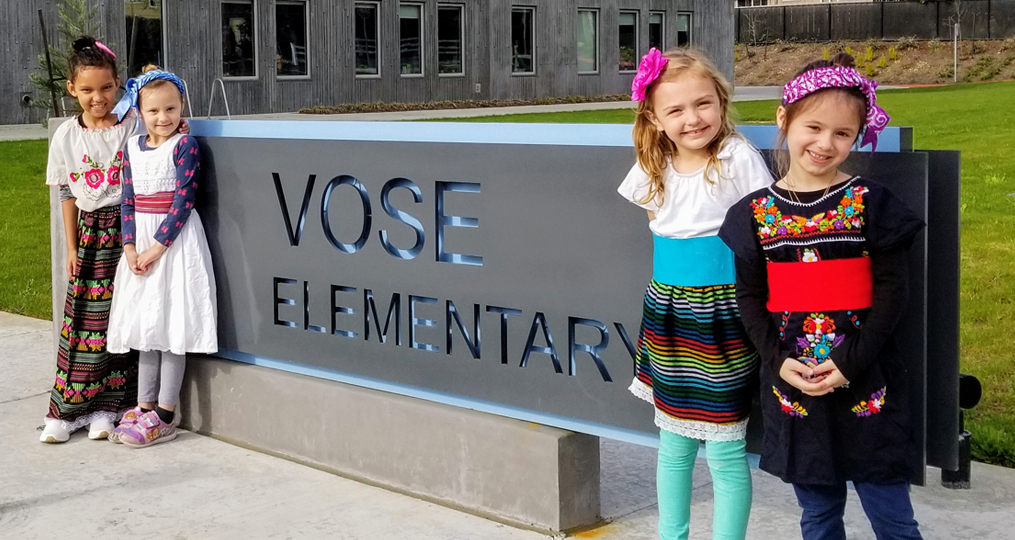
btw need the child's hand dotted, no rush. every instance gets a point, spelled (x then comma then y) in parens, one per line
(184, 127)
(800, 376)
(832, 378)
(72, 264)
(150, 255)
(131, 253)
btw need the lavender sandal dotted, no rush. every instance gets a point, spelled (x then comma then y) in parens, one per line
(126, 423)
(149, 430)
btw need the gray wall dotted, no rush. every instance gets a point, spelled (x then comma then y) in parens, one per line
(21, 44)
(193, 48)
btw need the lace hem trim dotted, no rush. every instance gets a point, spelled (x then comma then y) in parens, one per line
(83, 421)
(642, 391)
(701, 430)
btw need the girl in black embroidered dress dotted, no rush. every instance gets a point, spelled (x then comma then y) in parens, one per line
(821, 275)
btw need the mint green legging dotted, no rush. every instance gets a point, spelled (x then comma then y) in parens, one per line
(731, 485)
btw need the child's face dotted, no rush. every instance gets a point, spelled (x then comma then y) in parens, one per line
(687, 110)
(820, 136)
(95, 90)
(161, 107)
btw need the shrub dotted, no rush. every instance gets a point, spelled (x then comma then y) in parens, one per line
(825, 54)
(906, 43)
(869, 54)
(883, 63)
(893, 54)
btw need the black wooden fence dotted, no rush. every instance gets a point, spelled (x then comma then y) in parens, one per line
(979, 19)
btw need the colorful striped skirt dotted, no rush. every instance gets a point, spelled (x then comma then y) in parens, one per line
(695, 362)
(90, 383)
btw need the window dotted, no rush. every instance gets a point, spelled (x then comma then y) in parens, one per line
(628, 35)
(683, 29)
(239, 54)
(656, 24)
(450, 32)
(410, 38)
(291, 38)
(588, 46)
(367, 32)
(523, 45)
(144, 34)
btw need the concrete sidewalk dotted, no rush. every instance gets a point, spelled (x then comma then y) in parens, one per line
(202, 488)
(17, 132)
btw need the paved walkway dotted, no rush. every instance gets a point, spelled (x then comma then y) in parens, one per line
(201, 488)
(744, 93)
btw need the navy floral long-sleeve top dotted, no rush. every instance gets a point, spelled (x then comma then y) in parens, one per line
(187, 160)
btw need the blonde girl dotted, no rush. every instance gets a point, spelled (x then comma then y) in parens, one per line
(694, 361)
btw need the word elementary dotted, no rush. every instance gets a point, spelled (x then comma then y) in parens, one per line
(287, 290)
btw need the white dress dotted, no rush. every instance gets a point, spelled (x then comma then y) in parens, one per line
(172, 307)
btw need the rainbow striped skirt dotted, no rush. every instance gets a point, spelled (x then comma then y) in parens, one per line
(695, 362)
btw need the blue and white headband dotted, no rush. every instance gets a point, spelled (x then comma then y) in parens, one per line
(134, 86)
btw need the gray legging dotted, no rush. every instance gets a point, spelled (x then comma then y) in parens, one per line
(160, 376)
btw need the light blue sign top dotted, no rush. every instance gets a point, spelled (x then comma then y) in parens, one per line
(763, 137)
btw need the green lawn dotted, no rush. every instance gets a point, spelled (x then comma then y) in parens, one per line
(979, 120)
(24, 229)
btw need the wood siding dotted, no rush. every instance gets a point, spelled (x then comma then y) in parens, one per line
(193, 49)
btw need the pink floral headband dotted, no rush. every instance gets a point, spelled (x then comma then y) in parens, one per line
(102, 46)
(841, 77)
(652, 65)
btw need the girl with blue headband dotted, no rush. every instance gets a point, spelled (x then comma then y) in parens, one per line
(165, 301)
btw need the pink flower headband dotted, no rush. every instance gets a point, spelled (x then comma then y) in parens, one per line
(651, 66)
(102, 46)
(841, 77)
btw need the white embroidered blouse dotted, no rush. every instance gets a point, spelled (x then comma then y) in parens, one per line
(88, 161)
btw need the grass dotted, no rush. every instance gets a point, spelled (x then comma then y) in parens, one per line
(978, 120)
(24, 230)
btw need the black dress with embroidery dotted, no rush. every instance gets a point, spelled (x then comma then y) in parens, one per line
(859, 432)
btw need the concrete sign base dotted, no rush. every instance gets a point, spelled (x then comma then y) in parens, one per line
(520, 473)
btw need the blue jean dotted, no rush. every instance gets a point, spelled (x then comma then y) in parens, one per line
(887, 507)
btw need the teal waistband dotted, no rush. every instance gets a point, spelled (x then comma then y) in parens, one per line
(692, 262)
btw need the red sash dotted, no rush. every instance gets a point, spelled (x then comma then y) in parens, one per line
(835, 285)
(156, 203)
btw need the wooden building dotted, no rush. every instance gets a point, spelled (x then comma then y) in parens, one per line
(283, 55)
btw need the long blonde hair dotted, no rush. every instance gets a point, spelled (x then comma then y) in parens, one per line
(655, 149)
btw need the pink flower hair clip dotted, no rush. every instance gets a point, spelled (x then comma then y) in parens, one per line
(651, 66)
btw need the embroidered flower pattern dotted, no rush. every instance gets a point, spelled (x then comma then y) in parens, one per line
(97, 174)
(846, 216)
(792, 409)
(872, 406)
(819, 339)
(810, 255)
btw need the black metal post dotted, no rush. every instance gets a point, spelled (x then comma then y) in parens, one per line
(49, 65)
(960, 479)
(970, 392)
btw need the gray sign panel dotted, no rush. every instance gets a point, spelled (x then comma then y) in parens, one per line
(499, 276)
